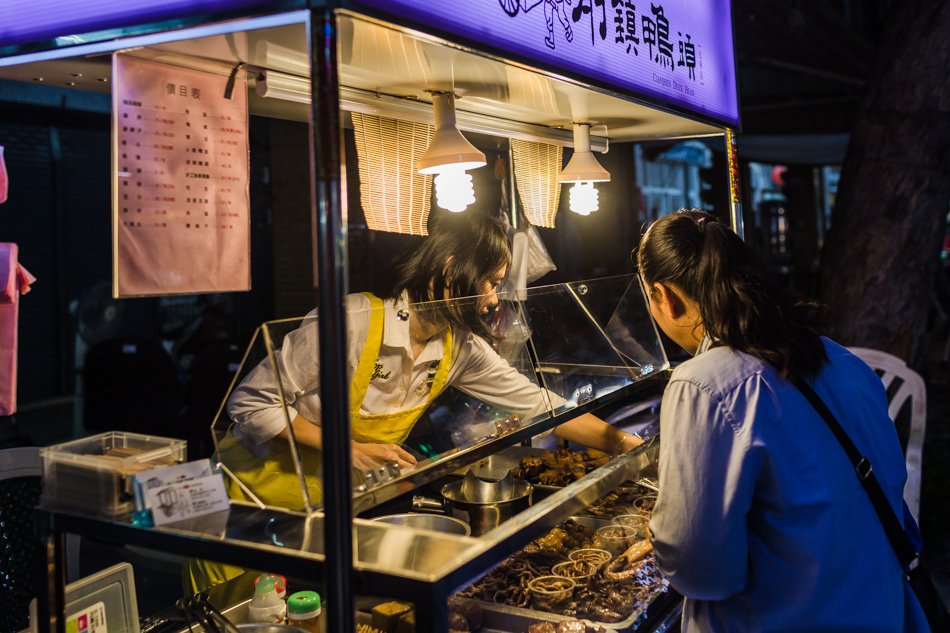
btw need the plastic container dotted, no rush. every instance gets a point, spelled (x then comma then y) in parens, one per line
(266, 607)
(597, 557)
(280, 584)
(95, 474)
(303, 611)
(549, 593)
(582, 572)
(638, 522)
(614, 538)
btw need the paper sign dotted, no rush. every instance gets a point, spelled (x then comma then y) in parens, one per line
(173, 493)
(91, 619)
(181, 208)
(187, 499)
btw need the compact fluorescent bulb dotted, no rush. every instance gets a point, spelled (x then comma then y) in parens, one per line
(583, 170)
(448, 157)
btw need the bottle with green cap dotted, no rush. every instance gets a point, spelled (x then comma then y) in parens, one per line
(303, 611)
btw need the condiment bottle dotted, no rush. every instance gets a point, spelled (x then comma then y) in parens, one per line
(303, 611)
(266, 606)
(280, 584)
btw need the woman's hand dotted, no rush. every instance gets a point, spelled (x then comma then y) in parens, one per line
(369, 456)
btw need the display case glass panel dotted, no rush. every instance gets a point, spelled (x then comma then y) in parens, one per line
(428, 380)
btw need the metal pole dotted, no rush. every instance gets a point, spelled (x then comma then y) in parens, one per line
(330, 252)
(735, 201)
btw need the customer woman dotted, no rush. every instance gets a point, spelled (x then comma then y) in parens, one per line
(761, 522)
(403, 350)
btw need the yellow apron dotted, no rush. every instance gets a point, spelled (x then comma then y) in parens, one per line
(274, 478)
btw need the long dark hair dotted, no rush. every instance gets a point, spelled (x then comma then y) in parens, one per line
(715, 268)
(461, 252)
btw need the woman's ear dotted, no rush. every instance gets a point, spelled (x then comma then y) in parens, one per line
(668, 300)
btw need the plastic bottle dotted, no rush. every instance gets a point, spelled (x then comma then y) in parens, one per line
(303, 611)
(280, 584)
(266, 606)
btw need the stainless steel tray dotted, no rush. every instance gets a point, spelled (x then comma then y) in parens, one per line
(499, 617)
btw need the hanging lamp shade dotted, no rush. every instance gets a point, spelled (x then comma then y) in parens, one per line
(448, 148)
(394, 196)
(583, 166)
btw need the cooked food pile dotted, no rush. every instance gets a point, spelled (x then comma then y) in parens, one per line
(596, 585)
(559, 468)
(568, 626)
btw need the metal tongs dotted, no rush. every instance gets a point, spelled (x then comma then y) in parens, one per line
(198, 609)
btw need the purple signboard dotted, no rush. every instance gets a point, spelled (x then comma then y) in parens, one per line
(23, 21)
(677, 52)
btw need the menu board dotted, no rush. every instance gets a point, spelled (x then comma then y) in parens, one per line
(181, 208)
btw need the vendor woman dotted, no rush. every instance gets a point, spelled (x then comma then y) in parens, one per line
(398, 366)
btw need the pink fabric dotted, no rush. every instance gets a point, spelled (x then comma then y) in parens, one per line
(14, 281)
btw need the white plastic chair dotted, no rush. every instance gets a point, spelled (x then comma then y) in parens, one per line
(911, 386)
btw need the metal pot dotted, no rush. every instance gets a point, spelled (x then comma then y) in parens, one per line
(483, 505)
(435, 522)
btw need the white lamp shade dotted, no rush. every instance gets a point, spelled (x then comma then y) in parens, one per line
(449, 147)
(583, 167)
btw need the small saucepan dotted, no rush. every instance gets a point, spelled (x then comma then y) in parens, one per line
(483, 505)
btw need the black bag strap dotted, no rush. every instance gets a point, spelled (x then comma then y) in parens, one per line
(862, 467)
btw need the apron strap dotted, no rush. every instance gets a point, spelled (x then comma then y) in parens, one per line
(442, 373)
(374, 340)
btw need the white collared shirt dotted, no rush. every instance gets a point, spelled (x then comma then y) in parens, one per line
(399, 381)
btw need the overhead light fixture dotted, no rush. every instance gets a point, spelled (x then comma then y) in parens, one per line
(296, 88)
(449, 156)
(583, 170)
(277, 85)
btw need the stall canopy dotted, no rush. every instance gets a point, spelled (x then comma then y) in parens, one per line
(675, 55)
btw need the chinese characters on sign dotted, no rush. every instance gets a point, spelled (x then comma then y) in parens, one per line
(654, 26)
(679, 52)
(180, 183)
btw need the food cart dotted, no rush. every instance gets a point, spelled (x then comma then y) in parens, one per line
(525, 69)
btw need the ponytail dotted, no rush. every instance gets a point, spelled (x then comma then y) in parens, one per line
(715, 268)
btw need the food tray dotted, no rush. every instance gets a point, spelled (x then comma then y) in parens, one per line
(495, 467)
(93, 474)
(500, 617)
(506, 617)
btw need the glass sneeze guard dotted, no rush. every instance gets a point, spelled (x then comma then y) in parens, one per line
(542, 352)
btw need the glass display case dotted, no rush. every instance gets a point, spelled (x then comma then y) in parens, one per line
(544, 353)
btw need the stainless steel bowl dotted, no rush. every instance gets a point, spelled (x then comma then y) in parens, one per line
(434, 522)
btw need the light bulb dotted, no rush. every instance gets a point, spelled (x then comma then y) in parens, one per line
(453, 189)
(584, 198)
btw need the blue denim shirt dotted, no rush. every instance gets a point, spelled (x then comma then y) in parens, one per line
(761, 522)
